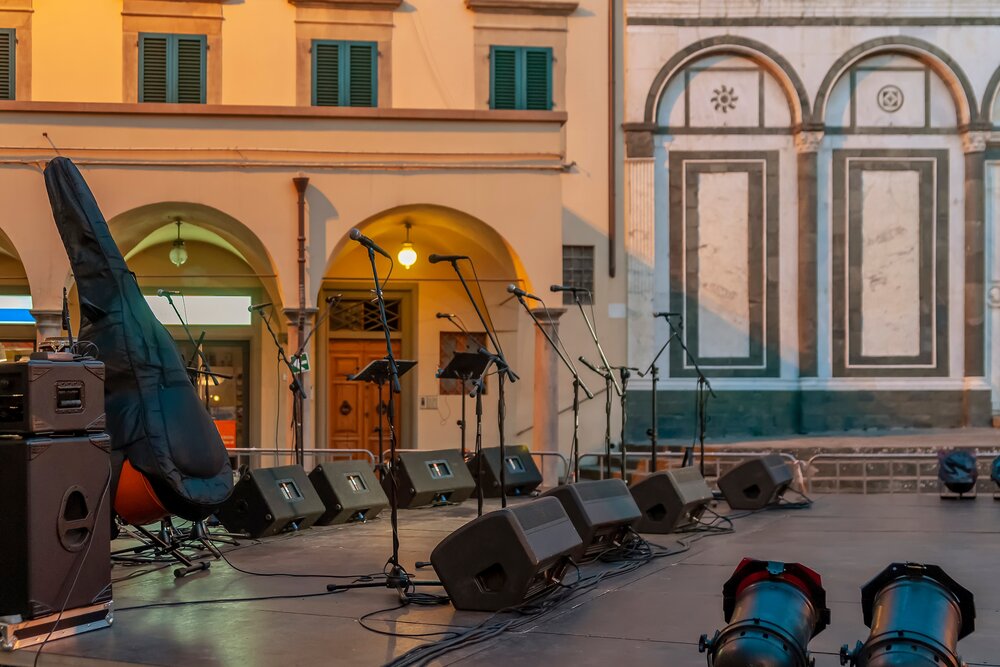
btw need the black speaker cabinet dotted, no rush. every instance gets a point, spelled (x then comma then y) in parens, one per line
(55, 520)
(349, 491)
(671, 500)
(602, 510)
(268, 501)
(52, 393)
(521, 474)
(507, 556)
(756, 483)
(429, 477)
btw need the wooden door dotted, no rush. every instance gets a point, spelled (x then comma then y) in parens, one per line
(354, 409)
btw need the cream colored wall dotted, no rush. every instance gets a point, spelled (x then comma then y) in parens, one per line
(258, 56)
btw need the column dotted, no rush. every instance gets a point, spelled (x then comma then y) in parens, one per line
(309, 404)
(807, 145)
(48, 324)
(640, 242)
(974, 147)
(545, 435)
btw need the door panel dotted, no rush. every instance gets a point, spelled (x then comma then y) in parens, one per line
(354, 408)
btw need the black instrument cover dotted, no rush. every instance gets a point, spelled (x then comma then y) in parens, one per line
(155, 417)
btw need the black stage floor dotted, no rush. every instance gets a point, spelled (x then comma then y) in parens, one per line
(651, 616)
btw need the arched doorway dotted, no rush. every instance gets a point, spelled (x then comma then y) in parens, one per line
(17, 321)
(429, 408)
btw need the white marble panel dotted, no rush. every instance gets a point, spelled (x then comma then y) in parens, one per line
(889, 98)
(776, 111)
(724, 98)
(671, 110)
(943, 112)
(723, 266)
(890, 263)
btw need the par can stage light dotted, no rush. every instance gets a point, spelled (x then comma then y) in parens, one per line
(917, 615)
(772, 609)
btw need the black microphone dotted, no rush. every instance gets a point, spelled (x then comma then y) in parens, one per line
(444, 316)
(166, 292)
(567, 288)
(434, 259)
(356, 235)
(517, 291)
(666, 314)
(258, 306)
(335, 297)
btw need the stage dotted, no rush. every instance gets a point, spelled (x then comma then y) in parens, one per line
(652, 616)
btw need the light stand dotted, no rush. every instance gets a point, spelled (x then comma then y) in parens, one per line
(578, 384)
(504, 371)
(298, 392)
(703, 390)
(654, 372)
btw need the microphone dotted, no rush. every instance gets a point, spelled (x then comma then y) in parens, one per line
(444, 316)
(517, 291)
(258, 306)
(434, 259)
(666, 314)
(166, 292)
(330, 299)
(567, 288)
(356, 235)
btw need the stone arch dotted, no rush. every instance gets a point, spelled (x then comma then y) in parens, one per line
(766, 57)
(989, 97)
(938, 60)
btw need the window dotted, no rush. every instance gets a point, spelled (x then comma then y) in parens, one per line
(520, 78)
(7, 43)
(578, 270)
(203, 310)
(172, 68)
(363, 315)
(344, 74)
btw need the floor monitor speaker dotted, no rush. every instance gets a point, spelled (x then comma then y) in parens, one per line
(521, 475)
(55, 524)
(506, 557)
(268, 501)
(757, 483)
(671, 500)
(349, 491)
(603, 512)
(429, 477)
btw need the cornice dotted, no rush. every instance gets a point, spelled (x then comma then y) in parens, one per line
(386, 5)
(543, 7)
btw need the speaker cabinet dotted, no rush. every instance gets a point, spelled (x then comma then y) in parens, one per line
(52, 393)
(429, 477)
(506, 557)
(349, 491)
(756, 483)
(671, 500)
(603, 511)
(268, 501)
(55, 522)
(521, 474)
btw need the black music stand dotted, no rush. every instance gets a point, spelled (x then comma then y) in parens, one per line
(379, 372)
(468, 366)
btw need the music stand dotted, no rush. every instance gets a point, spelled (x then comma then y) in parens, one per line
(464, 366)
(379, 372)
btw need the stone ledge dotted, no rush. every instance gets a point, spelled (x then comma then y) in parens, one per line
(543, 7)
(387, 5)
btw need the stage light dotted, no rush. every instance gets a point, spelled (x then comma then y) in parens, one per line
(917, 615)
(772, 609)
(957, 471)
(407, 256)
(178, 253)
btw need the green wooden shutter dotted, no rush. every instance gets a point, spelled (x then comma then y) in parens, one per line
(7, 44)
(190, 86)
(326, 74)
(538, 79)
(362, 88)
(503, 77)
(153, 86)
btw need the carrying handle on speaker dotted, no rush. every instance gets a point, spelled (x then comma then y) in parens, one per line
(76, 519)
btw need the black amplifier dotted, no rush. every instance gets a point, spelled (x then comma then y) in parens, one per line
(52, 392)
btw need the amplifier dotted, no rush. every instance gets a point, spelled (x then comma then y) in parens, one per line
(52, 393)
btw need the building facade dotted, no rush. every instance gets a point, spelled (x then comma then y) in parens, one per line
(812, 187)
(473, 127)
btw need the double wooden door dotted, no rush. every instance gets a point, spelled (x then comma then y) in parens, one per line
(354, 409)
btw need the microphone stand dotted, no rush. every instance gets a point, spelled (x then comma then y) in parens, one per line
(654, 372)
(703, 390)
(574, 454)
(298, 392)
(625, 372)
(609, 380)
(464, 379)
(504, 372)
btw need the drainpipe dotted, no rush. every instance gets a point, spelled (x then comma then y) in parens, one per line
(612, 67)
(301, 183)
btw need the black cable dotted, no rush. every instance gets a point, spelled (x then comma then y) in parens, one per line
(356, 577)
(262, 598)
(387, 633)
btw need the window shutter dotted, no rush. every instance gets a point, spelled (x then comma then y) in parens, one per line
(190, 69)
(362, 59)
(503, 82)
(7, 42)
(153, 68)
(538, 79)
(326, 74)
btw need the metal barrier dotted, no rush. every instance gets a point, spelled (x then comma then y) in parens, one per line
(892, 480)
(287, 456)
(712, 458)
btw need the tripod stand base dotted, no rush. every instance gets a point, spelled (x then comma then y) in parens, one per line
(397, 579)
